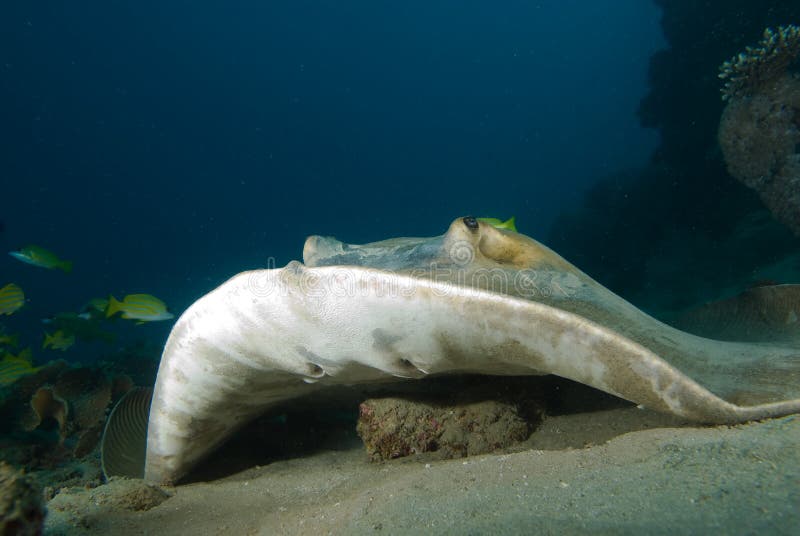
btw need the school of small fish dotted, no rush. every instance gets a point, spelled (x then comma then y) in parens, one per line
(68, 327)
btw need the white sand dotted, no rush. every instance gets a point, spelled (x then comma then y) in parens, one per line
(650, 476)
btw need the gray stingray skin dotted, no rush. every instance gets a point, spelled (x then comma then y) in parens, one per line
(476, 299)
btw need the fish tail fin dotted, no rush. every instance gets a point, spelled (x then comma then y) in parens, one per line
(511, 224)
(66, 266)
(124, 443)
(114, 306)
(48, 340)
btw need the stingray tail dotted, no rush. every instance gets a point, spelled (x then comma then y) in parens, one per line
(765, 411)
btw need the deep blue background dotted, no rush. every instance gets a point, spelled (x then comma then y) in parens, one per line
(165, 146)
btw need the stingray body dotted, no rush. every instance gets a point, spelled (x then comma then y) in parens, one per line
(476, 299)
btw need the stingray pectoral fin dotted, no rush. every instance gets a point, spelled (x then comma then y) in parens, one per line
(589, 353)
(260, 337)
(522, 333)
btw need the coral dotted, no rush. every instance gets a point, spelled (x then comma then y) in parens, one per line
(88, 391)
(759, 131)
(51, 421)
(45, 404)
(77, 401)
(755, 69)
(683, 98)
(22, 509)
(759, 135)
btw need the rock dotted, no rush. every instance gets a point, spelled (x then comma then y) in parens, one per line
(759, 136)
(80, 507)
(394, 427)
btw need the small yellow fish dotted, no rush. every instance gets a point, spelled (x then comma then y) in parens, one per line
(496, 222)
(86, 326)
(9, 340)
(142, 307)
(39, 256)
(11, 299)
(58, 341)
(13, 367)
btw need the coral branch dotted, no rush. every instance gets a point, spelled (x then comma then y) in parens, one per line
(750, 71)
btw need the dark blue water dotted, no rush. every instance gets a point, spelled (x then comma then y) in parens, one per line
(165, 146)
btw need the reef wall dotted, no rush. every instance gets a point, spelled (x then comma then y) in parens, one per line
(683, 101)
(631, 224)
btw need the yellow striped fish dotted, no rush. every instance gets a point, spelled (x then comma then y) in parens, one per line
(13, 367)
(11, 299)
(142, 307)
(58, 340)
(38, 256)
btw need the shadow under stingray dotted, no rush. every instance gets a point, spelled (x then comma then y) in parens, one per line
(326, 420)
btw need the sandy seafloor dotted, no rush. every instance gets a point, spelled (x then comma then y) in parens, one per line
(623, 470)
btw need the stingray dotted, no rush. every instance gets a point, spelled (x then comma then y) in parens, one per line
(477, 299)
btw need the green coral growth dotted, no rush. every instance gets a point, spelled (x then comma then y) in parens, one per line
(750, 70)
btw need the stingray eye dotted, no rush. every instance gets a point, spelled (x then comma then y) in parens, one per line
(471, 223)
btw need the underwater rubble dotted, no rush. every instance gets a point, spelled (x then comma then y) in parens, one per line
(22, 509)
